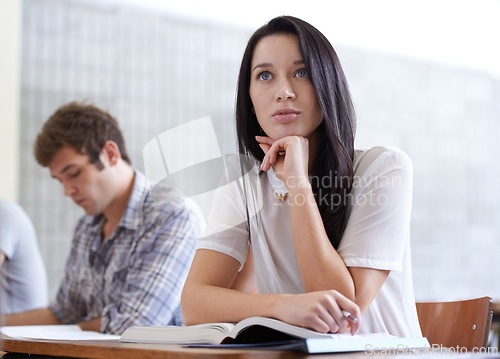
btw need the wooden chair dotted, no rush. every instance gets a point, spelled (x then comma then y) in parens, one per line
(465, 324)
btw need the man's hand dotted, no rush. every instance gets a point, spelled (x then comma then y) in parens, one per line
(92, 324)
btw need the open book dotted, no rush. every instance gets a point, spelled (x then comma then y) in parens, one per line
(269, 333)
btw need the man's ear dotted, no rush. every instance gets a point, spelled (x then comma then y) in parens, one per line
(111, 153)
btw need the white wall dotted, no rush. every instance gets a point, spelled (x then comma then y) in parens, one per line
(458, 32)
(10, 44)
(151, 71)
(154, 70)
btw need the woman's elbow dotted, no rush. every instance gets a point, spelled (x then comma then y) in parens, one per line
(187, 305)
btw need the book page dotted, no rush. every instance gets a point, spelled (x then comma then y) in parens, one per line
(211, 333)
(54, 332)
(275, 324)
(260, 329)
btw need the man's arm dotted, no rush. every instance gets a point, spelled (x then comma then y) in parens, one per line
(155, 279)
(92, 324)
(42, 316)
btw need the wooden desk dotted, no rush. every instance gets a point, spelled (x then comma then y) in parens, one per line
(117, 350)
(112, 350)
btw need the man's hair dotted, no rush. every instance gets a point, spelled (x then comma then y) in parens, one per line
(83, 127)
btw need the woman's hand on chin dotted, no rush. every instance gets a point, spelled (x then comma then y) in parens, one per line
(289, 156)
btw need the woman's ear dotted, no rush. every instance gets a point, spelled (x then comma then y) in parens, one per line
(110, 153)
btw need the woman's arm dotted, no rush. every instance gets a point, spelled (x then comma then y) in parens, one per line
(320, 265)
(206, 298)
(245, 279)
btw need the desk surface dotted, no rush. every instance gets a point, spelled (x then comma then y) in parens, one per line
(117, 350)
(111, 350)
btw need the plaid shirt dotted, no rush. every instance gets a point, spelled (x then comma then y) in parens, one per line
(136, 276)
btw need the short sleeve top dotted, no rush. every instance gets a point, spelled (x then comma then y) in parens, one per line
(23, 280)
(377, 234)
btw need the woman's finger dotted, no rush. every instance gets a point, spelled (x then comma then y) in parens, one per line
(322, 323)
(352, 309)
(265, 147)
(340, 322)
(264, 139)
(330, 321)
(271, 155)
(274, 150)
(266, 164)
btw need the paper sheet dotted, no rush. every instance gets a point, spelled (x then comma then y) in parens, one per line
(55, 332)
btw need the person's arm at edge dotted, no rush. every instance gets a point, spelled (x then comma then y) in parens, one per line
(41, 316)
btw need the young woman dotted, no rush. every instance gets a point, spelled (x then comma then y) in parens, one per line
(327, 226)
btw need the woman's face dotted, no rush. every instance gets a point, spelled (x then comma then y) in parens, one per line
(281, 91)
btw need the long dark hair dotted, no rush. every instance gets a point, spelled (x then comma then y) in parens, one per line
(332, 169)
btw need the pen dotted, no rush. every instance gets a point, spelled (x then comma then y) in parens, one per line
(349, 316)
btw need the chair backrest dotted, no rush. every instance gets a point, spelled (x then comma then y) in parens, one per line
(465, 323)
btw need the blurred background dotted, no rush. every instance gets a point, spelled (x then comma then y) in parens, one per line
(424, 76)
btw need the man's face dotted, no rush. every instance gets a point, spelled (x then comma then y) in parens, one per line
(90, 188)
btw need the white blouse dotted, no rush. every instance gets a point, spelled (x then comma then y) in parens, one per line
(377, 234)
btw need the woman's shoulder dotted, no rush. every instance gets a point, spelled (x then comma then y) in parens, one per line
(379, 159)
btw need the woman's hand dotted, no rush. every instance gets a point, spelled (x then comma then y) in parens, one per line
(289, 157)
(320, 311)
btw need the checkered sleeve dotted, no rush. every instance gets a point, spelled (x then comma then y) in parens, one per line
(159, 267)
(69, 305)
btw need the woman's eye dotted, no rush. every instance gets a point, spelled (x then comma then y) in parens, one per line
(264, 76)
(302, 73)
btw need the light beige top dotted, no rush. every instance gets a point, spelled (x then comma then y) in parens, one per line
(377, 234)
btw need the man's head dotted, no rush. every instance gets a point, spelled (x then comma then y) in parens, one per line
(84, 149)
(83, 127)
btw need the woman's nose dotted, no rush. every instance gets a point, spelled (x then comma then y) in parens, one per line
(285, 90)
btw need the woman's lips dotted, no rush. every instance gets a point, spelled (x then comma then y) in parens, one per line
(285, 115)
